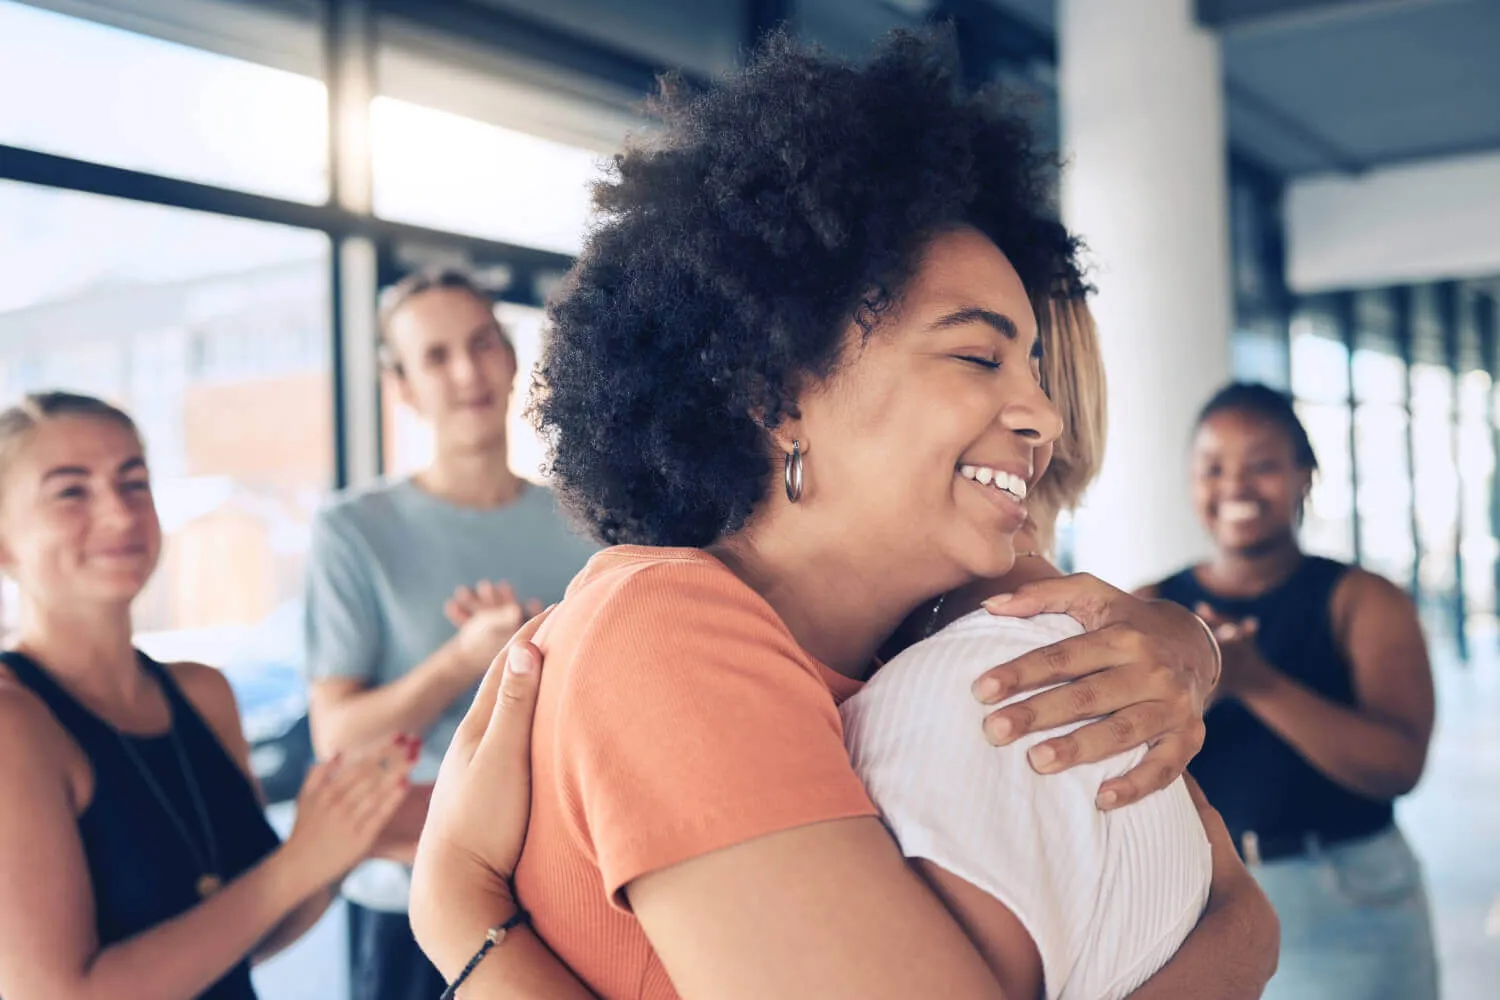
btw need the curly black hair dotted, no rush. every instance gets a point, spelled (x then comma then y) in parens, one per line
(734, 248)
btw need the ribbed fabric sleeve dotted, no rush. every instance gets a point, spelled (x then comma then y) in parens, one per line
(677, 716)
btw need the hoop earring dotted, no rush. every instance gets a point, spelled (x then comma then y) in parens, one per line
(791, 472)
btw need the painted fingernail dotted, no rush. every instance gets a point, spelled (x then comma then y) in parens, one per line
(522, 661)
(1042, 756)
(987, 689)
(1107, 798)
(999, 729)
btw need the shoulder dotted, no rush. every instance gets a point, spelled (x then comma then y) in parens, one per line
(30, 737)
(1362, 596)
(682, 590)
(211, 695)
(347, 526)
(1170, 587)
(662, 629)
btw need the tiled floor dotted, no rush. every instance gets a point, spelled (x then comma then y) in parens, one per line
(1453, 819)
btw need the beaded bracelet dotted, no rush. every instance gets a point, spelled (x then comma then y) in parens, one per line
(492, 937)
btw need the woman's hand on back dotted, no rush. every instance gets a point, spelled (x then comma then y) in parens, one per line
(1144, 671)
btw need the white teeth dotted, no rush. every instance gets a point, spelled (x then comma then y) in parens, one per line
(1001, 480)
(1239, 510)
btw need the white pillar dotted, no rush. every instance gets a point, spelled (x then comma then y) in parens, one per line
(1145, 186)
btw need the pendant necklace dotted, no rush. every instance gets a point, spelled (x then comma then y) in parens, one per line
(209, 882)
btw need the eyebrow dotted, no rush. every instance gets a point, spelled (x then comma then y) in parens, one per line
(129, 465)
(999, 322)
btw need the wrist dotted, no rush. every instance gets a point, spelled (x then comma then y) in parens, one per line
(294, 874)
(1211, 670)
(454, 663)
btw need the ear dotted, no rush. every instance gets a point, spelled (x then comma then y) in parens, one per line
(788, 434)
(398, 384)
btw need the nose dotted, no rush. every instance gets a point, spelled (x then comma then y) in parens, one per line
(114, 507)
(1032, 416)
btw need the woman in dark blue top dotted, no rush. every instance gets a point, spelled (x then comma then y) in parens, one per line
(135, 859)
(1323, 717)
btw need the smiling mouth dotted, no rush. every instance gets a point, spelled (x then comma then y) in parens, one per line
(1239, 511)
(1011, 485)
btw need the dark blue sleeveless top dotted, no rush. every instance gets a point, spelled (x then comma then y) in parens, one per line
(142, 872)
(1255, 779)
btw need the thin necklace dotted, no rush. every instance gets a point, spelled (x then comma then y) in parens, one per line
(209, 882)
(937, 605)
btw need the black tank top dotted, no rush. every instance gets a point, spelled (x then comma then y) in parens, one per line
(142, 872)
(1254, 778)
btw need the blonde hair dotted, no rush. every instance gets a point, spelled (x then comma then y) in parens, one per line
(1073, 375)
(20, 421)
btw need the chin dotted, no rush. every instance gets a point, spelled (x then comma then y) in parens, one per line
(988, 560)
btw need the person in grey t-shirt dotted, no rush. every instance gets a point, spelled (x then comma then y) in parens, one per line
(415, 584)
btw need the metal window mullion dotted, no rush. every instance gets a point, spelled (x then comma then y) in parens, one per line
(1489, 351)
(1401, 313)
(1343, 311)
(350, 73)
(1447, 297)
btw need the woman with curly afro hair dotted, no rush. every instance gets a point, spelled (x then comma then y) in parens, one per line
(795, 379)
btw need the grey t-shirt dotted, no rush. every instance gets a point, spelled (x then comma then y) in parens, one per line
(383, 561)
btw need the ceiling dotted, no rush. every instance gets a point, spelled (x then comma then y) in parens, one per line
(1312, 86)
(1341, 86)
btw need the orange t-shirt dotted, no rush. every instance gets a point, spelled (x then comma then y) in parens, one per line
(677, 716)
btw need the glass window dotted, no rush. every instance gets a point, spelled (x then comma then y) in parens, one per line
(1320, 362)
(1385, 491)
(1436, 474)
(1259, 352)
(128, 100)
(213, 333)
(1328, 525)
(407, 439)
(442, 170)
(1476, 464)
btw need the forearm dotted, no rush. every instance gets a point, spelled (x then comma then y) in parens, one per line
(451, 929)
(181, 958)
(296, 924)
(1371, 758)
(409, 704)
(1230, 955)
(1232, 952)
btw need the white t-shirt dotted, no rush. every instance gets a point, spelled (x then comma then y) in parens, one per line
(1107, 897)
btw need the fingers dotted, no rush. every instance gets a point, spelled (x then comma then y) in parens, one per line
(477, 719)
(1086, 598)
(1113, 734)
(456, 612)
(1073, 657)
(1161, 766)
(485, 591)
(533, 608)
(509, 731)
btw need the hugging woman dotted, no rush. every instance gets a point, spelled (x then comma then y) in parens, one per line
(795, 380)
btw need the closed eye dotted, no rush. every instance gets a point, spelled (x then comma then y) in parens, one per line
(974, 359)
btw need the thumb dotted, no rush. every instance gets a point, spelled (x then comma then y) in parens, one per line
(509, 731)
